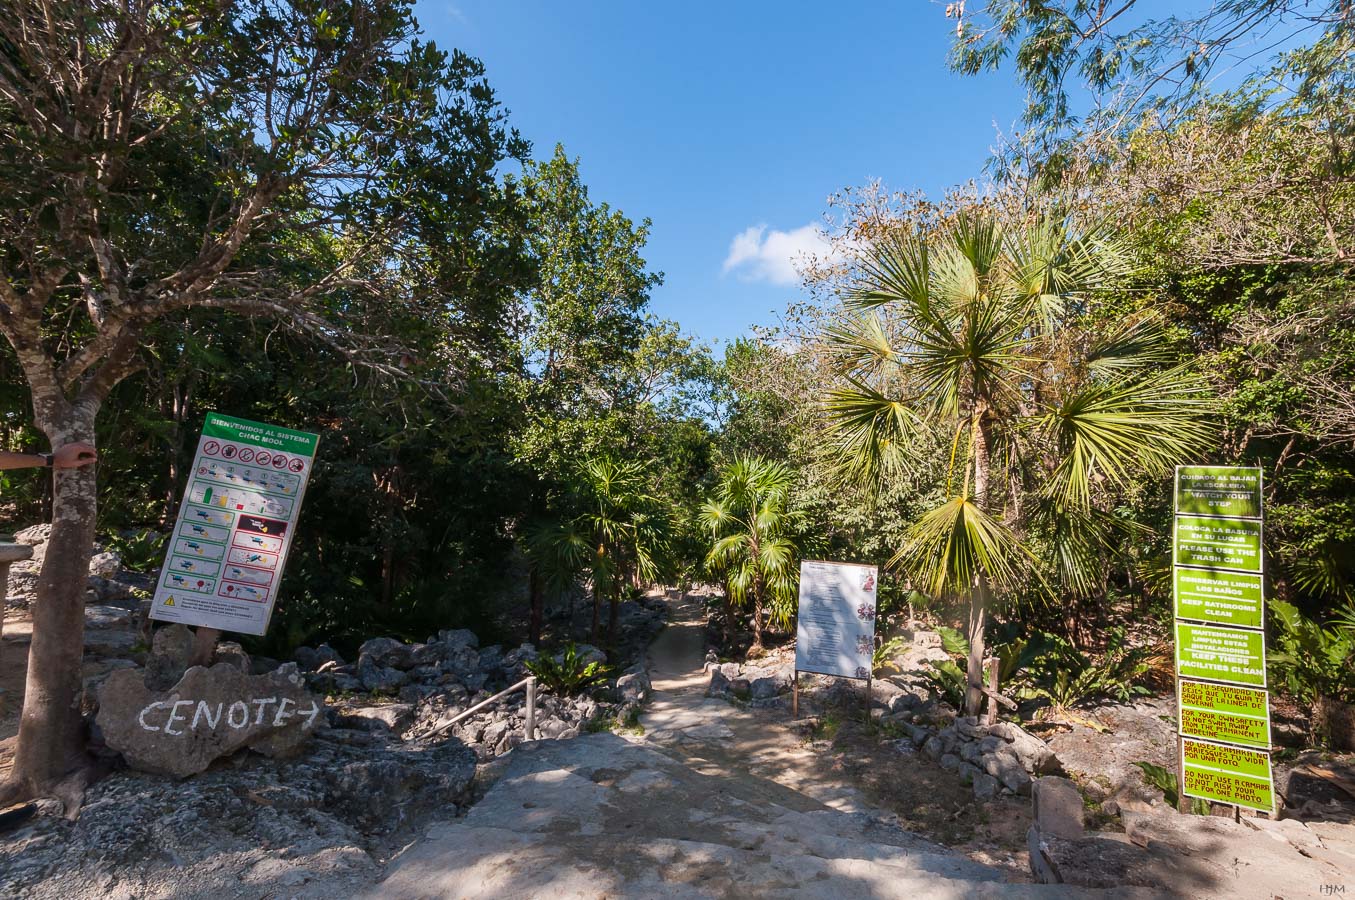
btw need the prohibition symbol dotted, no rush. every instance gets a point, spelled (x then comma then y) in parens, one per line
(211, 447)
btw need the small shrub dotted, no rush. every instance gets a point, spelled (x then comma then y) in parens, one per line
(1165, 781)
(140, 551)
(570, 674)
(882, 658)
(950, 681)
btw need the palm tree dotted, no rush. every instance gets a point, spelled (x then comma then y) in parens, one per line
(620, 531)
(752, 551)
(982, 337)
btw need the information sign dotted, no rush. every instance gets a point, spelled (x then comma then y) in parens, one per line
(1234, 655)
(1218, 543)
(1227, 774)
(235, 525)
(1220, 712)
(1212, 595)
(836, 631)
(1218, 580)
(1219, 491)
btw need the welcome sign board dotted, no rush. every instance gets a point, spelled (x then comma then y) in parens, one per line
(836, 621)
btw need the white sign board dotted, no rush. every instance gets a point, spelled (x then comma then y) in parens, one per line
(836, 634)
(235, 525)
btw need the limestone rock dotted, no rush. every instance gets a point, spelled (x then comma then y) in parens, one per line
(1005, 767)
(985, 786)
(457, 637)
(105, 616)
(1058, 809)
(374, 677)
(395, 717)
(171, 650)
(634, 686)
(105, 565)
(387, 652)
(310, 659)
(208, 714)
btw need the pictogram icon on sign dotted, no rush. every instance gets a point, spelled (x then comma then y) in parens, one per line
(263, 457)
(211, 447)
(246, 454)
(296, 465)
(279, 461)
(228, 451)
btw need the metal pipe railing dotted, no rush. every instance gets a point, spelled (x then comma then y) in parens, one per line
(529, 727)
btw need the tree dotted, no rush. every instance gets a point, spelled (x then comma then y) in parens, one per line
(159, 157)
(981, 333)
(619, 532)
(1130, 61)
(751, 526)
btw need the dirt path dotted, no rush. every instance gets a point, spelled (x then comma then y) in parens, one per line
(843, 763)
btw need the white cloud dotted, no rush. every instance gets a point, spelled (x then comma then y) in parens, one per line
(759, 254)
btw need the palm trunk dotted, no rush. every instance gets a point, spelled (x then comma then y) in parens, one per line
(537, 592)
(613, 610)
(756, 649)
(978, 598)
(729, 615)
(51, 732)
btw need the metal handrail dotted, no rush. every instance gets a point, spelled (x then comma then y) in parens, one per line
(529, 727)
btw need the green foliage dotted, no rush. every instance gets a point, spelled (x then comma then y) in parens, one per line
(882, 657)
(1165, 781)
(568, 675)
(752, 528)
(1067, 678)
(953, 642)
(140, 551)
(986, 331)
(1312, 660)
(949, 680)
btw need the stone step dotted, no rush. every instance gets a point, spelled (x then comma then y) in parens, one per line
(599, 816)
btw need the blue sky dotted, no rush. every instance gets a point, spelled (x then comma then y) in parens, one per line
(713, 119)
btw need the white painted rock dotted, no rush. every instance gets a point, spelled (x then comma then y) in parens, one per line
(208, 714)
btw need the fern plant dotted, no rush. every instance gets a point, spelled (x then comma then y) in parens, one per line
(568, 675)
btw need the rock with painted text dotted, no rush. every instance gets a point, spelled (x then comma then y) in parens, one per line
(208, 714)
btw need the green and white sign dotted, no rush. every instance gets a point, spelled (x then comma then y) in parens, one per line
(1219, 491)
(1225, 713)
(235, 525)
(1232, 655)
(1218, 543)
(1211, 595)
(1227, 774)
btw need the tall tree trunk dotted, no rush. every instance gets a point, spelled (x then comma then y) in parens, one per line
(729, 616)
(979, 595)
(537, 591)
(756, 649)
(614, 603)
(51, 745)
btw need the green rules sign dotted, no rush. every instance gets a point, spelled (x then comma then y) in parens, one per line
(1228, 774)
(1226, 713)
(1212, 595)
(1234, 655)
(1219, 491)
(1218, 543)
(1218, 595)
